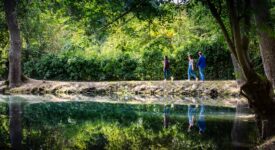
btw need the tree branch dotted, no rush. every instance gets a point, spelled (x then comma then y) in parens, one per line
(241, 41)
(121, 15)
(218, 19)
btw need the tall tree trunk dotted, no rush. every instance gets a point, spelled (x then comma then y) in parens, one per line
(261, 98)
(258, 91)
(266, 37)
(15, 44)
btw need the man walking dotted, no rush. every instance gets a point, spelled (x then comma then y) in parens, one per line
(201, 65)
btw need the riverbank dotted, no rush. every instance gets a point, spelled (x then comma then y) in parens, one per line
(190, 88)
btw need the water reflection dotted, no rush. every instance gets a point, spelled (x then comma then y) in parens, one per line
(15, 122)
(37, 123)
(192, 117)
(201, 121)
(166, 113)
(241, 131)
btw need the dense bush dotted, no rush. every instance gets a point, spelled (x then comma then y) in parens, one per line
(67, 67)
(147, 66)
(219, 63)
(150, 66)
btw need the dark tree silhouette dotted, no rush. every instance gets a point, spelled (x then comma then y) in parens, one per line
(15, 44)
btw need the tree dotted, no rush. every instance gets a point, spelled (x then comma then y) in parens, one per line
(266, 36)
(256, 89)
(15, 44)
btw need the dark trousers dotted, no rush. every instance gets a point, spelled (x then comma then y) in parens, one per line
(166, 73)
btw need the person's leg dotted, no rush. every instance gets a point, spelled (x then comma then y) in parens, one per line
(200, 73)
(201, 121)
(201, 70)
(189, 73)
(190, 118)
(193, 74)
(190, 114)
(165, 74)
(203, 77)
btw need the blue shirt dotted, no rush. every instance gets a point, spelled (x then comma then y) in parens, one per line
(202, 62)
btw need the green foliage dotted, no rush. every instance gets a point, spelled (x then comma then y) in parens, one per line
(219, 65)
(66, 67)
(4, 39)
(4, 128)
(151, 66)
(73, 40)
(148, 66)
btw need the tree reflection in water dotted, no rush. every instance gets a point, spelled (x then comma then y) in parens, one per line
(109, 125)
(241, 132)
(15, 122)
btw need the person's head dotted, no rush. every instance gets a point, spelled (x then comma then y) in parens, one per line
(165, 57)
(190, 57)
(200, 53)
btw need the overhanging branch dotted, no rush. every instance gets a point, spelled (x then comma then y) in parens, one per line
(121, 16)
(218, 19)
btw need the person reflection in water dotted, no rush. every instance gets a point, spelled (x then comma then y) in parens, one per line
(166, 113)
(192, 110)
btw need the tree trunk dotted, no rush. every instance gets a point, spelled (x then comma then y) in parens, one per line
(258, 91)
(266, 37)
(15, 44)
(238, 71)
(261, 98)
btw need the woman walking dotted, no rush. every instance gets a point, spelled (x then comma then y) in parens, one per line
(191, 68)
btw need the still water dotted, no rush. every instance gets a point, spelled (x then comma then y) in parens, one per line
(49, 122)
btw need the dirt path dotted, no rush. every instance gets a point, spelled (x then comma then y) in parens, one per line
(191, 88)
